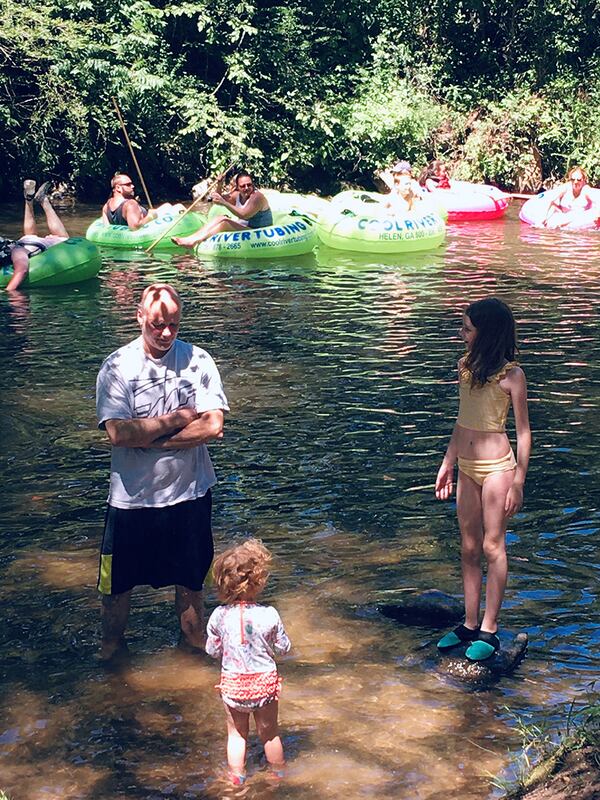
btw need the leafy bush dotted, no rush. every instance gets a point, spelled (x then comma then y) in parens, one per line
(307, 95)
(529, 137)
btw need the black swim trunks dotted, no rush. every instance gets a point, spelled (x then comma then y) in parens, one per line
(156, 546)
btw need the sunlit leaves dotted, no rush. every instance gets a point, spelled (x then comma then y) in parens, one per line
(323, 91)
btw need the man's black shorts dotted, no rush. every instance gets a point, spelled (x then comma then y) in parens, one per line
(156, 546)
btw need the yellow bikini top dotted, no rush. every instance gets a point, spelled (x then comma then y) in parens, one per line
(483, 408)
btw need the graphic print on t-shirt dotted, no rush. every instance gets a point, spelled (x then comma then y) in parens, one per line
(162, 394)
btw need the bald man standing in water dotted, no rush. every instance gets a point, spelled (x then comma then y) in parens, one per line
(160, 401)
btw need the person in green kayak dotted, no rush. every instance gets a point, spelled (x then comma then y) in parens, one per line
(122, 208)
(17, 253)
(249, 205)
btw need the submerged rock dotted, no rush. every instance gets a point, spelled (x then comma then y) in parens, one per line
(425, 608)
(512, 651)
(436, 609)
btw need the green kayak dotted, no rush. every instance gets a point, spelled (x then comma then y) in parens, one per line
(72, 261)
(121, 236)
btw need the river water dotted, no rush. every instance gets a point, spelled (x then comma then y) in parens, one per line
(340, 372)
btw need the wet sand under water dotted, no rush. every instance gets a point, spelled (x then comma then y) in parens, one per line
(356, 721)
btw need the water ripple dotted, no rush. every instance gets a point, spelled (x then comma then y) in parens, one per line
(340, 370)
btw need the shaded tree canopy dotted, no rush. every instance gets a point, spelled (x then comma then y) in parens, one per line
(308, 96)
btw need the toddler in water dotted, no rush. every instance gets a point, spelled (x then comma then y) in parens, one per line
(247, 635)
(490, 480)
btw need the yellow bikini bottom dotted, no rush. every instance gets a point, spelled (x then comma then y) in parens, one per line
(479, 469)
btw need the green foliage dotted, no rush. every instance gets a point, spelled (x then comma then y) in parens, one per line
(578, 121)
(535, 134)
(506, 135)
(308, 94)
(381, 122)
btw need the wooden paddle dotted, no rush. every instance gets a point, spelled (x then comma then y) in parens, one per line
(135, 161)
(194, 204)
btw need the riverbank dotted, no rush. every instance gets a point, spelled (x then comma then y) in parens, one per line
(570, 771)
(574, 776)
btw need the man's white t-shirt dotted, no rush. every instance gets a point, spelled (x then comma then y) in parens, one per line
(133, 385)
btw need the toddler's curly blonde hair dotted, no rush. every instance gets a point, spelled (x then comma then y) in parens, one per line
(241, 572)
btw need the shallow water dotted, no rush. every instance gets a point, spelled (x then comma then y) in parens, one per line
(339, 370)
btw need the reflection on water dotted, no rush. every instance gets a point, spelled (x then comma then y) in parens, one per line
(340, 374)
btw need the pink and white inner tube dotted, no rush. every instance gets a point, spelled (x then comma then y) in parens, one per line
(470, 201)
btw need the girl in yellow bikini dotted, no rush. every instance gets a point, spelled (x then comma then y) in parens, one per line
(490, 479)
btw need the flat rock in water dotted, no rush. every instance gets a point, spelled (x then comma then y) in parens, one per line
(436, 609)
(513, 648)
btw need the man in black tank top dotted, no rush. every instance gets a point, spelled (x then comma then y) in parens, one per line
(122, 208)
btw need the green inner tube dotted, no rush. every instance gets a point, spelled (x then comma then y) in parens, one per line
(121, 236)
(291, 234)
(72, 261)
(367, 231)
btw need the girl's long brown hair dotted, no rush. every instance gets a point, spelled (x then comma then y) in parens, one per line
(496, 340)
